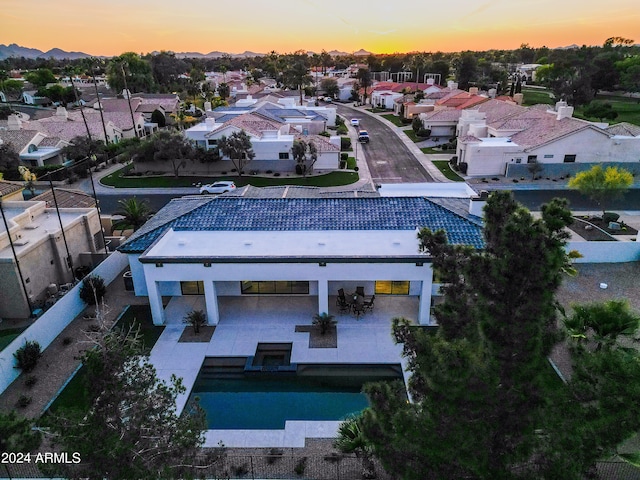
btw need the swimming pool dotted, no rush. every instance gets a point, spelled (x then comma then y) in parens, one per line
(266, 401)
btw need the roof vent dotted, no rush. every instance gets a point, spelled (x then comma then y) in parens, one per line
(182, 242)
(20, 242)
(248, 243)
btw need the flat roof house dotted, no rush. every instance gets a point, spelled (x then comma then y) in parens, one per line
(246, 245)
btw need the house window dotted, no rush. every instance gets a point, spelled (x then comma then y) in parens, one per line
(284, 155)
(192, 288)
(392, 287)
(212, 142)
(270, 287)
(532, 159)
(518, 160)
(548, 156)
(569, 158)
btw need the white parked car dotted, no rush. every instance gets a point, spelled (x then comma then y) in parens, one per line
(355, 122)
(218, 187)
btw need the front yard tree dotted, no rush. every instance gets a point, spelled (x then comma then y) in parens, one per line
(364, 79)
(305, 154)
(173, 148)
(132, 429)
(600, 110)
(82, 147)
(330, 87)
(134, 214)
(238, 148)
(479, 384)
(603, 186)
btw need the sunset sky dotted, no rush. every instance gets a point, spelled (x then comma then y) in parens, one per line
(116, 26)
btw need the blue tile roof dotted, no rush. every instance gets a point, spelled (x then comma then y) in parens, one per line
(375, 213)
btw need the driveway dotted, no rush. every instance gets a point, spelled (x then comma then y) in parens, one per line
(389, 159)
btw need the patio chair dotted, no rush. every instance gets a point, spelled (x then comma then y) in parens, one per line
(360, 291)
(358, 309)
(368, 306)
(341, 297)
(343, 305)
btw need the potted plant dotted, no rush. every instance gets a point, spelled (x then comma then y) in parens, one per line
(197, 319)
(324, 321)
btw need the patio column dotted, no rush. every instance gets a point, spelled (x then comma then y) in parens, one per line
(424, 309)
(211, 301)
(155, 302)
(323, 296)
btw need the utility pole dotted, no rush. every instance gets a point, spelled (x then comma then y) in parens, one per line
(95, 84)
(124, 78)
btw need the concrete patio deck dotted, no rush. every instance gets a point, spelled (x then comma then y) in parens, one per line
(246, 321)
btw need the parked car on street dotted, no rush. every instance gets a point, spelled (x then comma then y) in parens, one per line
(355, 122)
(218, 187)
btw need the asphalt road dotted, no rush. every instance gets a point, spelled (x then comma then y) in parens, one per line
(389, 160)
(532, 199)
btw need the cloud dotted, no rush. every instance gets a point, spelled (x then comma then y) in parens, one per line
(480, 9)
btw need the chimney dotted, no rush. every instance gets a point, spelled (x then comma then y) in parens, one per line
(62, 112)
(207, 106)
(473, 90)
(14, 122)
(564, 112)
(477, 203)
(560, 104)
(210, 122)
(451, 85)
(492, 93)
(430, 81)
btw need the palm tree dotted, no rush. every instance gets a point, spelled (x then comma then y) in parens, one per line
(324, 321)
(195, 318)
(135, 212)
(351, 440)
(364, 76)
(238, 148)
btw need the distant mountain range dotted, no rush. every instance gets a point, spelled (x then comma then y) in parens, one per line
(13, 50)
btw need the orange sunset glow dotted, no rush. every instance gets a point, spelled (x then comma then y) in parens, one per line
(110, 28)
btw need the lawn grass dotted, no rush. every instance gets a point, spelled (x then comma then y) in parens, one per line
(351, 163)
(415, 138)
(628, 109)
(139, 317)
(430, 150)
(533, 97)
(9, 335)
(443, 166)
(327, 180)
(74, 394)
(395, 119)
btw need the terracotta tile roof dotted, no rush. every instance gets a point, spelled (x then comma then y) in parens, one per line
(67, 198)
(498, 109)
(625, 129)
(7, 188)
(251, 123)
(446, 115)
(52, 142)
(18, 139)
(119, 104)
(322, 143)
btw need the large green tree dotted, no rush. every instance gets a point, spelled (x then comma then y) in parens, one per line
(305, 154)
(364, 80)
(132, 69)
(132, 429)
(479, 385)
(602, 185)
(40, 77)
(237, 147)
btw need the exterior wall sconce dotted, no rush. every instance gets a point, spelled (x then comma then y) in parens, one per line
(207, 264)
(322, 264)
(419, 264)
(159, 264)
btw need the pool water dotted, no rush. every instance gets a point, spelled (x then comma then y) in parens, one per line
(267, 401)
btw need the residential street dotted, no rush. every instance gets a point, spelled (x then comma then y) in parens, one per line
(388, 158)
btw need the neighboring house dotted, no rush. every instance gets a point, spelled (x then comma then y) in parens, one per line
(68, 125)
(385, 99)
(34, 147)
(271, 139)
(31, 98)
(117, 111)
(11, 191)
(246, 245)
(35, 263)
(539, 134)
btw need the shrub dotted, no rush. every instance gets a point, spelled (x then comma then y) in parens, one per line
(610, 217)
(277, 174)
(355, 169)
(325, 134)
(424, 132)
(453, 160)
(67, 341)
(92, 290)
(24, 401)
(345, 143)
(274, 454)
(344, 156)
(343, 164)
(195, 318)
(462, 166)
(300, 466)
(27, 356)
(30, 381)
(342, 130)
(324, 320)
(416, 124)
